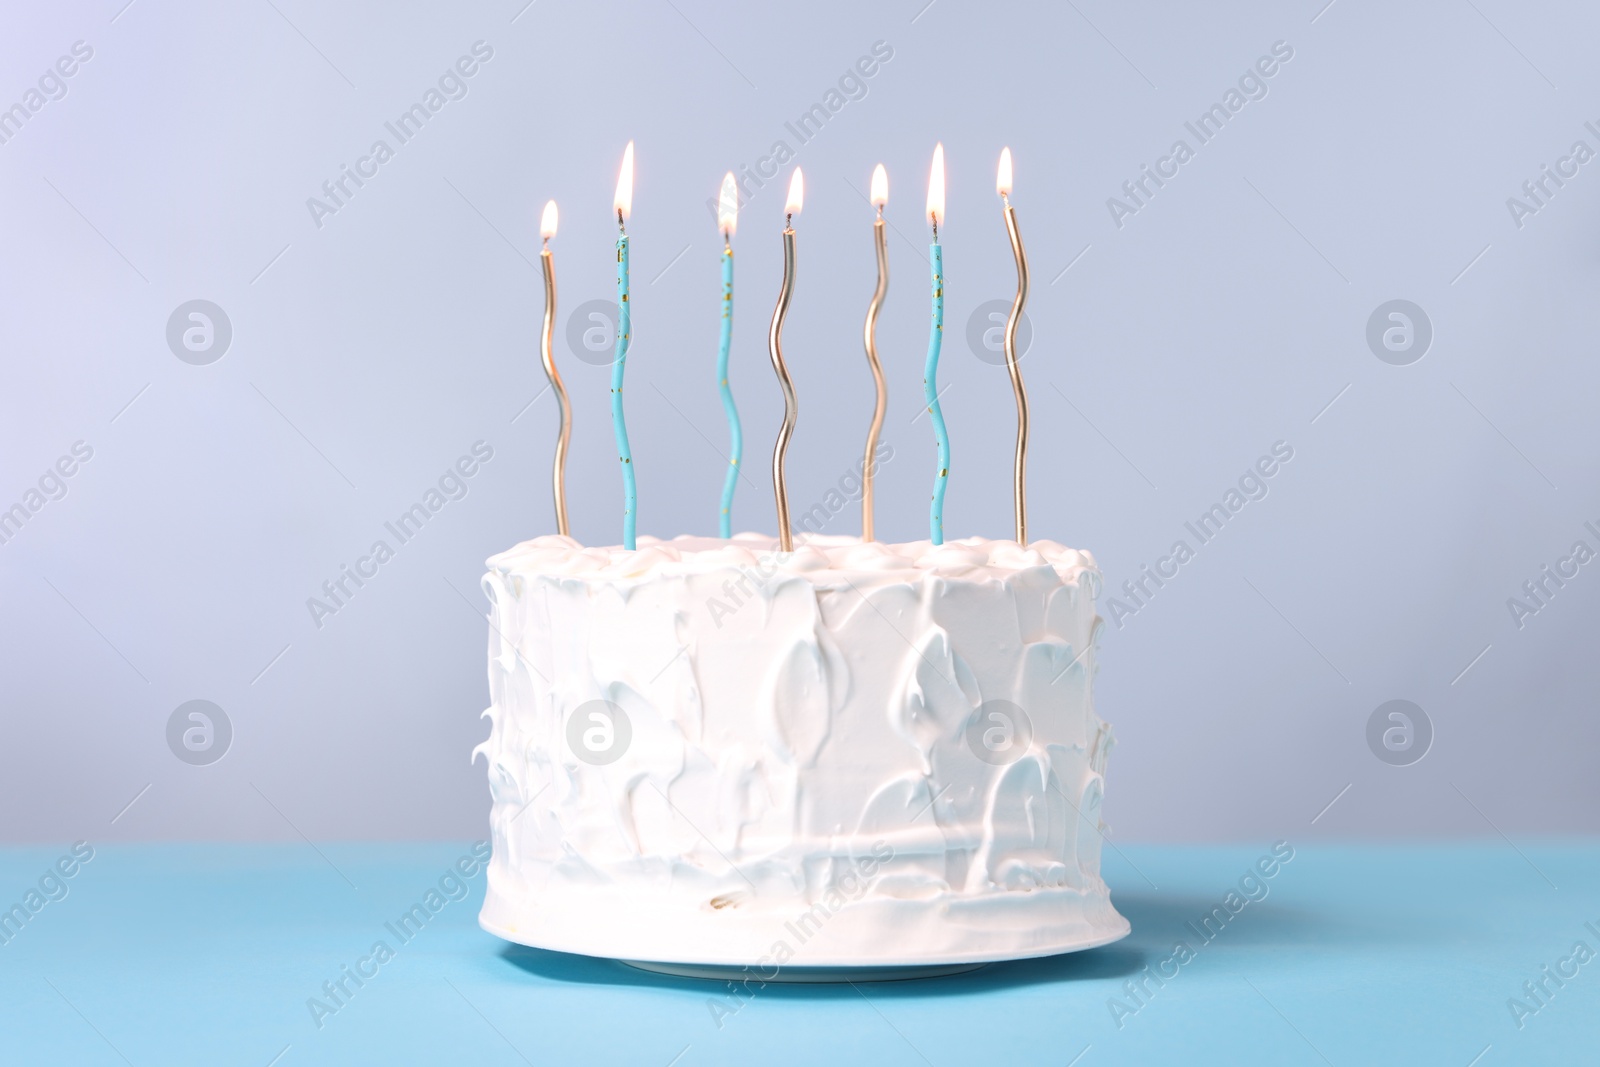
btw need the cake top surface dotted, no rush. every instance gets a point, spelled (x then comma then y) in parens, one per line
(816, 556)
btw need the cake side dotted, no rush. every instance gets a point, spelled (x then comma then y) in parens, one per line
(697, 744)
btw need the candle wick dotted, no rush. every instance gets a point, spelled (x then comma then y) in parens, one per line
(620, 226)
(935, 219)
(788, 221)
(1005, 199)
(880, 211)
(547, 243)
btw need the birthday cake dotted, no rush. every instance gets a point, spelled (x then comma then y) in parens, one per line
(711, 752)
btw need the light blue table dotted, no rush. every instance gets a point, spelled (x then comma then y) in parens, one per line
(1401, 953)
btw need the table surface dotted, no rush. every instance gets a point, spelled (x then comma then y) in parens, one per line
(1357, 954)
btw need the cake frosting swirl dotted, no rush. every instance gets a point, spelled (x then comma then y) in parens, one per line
(709, 751)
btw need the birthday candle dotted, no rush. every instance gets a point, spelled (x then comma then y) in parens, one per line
(727, 219)
(547, 230)
(869, 466)
(624, 206)
(930, 373)
(1019, 474)
(791, 406)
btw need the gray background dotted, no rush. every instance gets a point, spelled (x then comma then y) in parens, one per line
(368, 354)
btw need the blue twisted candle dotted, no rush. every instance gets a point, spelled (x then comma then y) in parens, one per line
(619, 365)
(735, 433)
(619, 422)
(930, 393)
(930, 373)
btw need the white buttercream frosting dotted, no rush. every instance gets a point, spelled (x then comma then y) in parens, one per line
(851, 754)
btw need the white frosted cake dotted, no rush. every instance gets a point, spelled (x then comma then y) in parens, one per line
(856, 754)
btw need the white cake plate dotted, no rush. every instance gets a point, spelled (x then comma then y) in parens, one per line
(725, 973)
(881, 964)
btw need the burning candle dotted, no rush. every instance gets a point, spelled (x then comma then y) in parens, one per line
(869, 466)
(930, 373)
(619, 424)
(1019, 476)
(727, 220)
(791, 407)
(547, 230)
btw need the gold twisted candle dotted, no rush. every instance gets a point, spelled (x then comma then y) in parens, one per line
(880, 197)
(547, 230)
(791, 406)
(1019, 484)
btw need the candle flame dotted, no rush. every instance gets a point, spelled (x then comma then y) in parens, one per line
(728, 206)
(936, 186)
(880, 186)
(547, 221)
(797, 191)
(624, 201)
(1002, 181)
